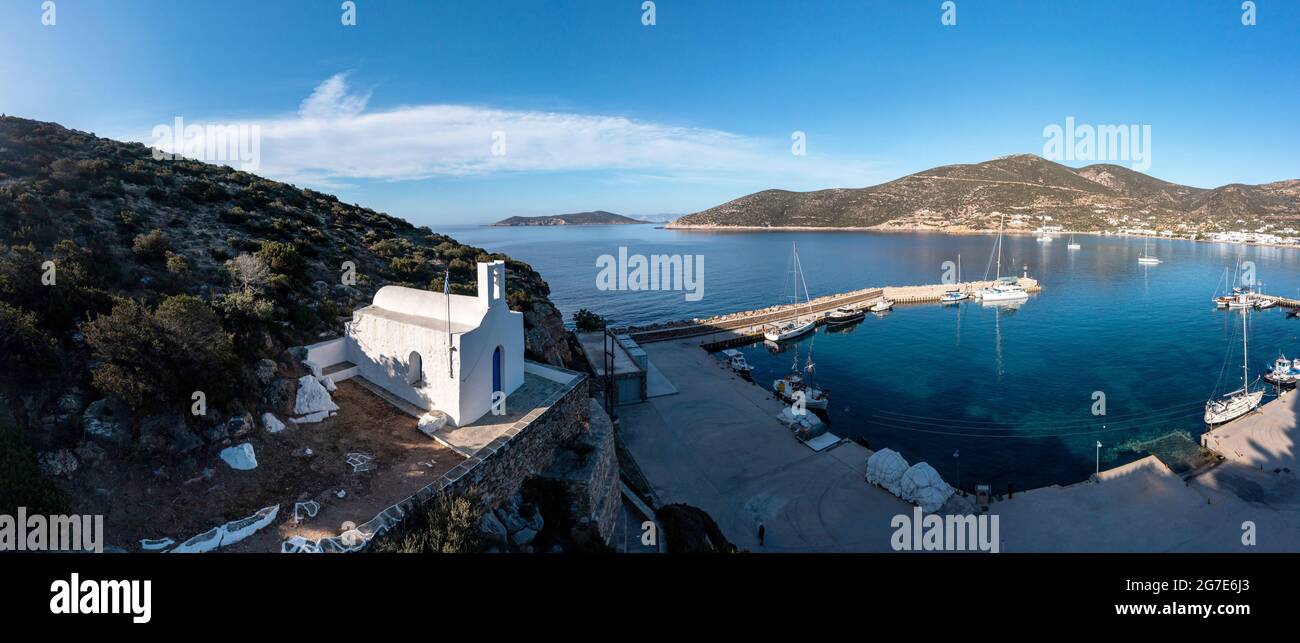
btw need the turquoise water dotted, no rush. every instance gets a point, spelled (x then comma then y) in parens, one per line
(1012, 390)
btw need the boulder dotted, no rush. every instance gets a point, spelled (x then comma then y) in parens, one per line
(271, 423)
(240, 425)
(328, 383)
(265, 371)
(70, 402)
(57, 463)
(492, 529)
(886, 468)
(312, 397)
(167, 433)
(922, 485)
(431, 423)
(279, 395)
(511, 519)
(523, 537)
(240, 458)
(106, 422)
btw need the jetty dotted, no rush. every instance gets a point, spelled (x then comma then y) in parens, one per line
(1284, 302)
(741, 327)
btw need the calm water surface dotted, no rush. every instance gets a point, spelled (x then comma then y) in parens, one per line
(1010, 390)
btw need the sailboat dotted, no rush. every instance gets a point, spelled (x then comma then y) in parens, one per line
(1005, 289)
(794, 328)
(787, 387)
(1231, 406)
(1148, 259)
(1073, 244)
(954, 295)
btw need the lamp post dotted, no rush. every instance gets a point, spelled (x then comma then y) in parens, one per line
(1098, 471)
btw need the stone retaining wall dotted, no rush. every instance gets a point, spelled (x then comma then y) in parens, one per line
(494, 472)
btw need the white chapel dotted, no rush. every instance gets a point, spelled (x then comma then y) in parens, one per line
(440, 352)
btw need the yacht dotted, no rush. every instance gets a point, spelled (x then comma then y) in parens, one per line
(792, 329)
(882, 306)
(954, 295)
(845, 315)
(1231, 406)
(1004, 288)
(789, 330)
(1147, 259)
(1073, 244)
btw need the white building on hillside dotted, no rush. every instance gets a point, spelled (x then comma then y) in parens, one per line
(401, 343)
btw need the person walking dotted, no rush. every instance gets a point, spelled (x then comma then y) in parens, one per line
(762, 531)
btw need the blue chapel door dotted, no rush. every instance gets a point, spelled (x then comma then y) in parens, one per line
(496, 370)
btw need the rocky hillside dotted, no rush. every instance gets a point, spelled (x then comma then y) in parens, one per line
(133, 279)
(599, 217)
(969, 197)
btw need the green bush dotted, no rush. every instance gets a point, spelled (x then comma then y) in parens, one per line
(449, 526)
(585, 320)
(151, 246)
(283, 258)
(156, 359)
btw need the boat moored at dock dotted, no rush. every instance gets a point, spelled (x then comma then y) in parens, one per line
(845, 315)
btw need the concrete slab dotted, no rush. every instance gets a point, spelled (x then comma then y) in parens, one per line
(469, 439)
(718, 446)
(656, 384)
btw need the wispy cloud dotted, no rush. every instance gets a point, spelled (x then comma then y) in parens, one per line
(334, 140)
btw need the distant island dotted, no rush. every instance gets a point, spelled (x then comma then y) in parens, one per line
(599, 217)
(1034, 193)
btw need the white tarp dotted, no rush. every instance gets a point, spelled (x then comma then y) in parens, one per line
(886, 468)
(924, 486)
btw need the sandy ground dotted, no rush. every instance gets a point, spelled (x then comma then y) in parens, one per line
(716, 445)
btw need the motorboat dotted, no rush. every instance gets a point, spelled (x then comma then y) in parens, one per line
(1263, 304)
(736, 361)
(845, 315)
(1283, 372)
(882, 306)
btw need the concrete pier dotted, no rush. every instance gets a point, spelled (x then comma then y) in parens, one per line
(747, 324)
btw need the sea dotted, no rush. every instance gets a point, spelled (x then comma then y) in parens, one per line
(1110, 352)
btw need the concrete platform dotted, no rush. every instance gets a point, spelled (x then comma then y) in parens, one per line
(718, 446)
(467, 440)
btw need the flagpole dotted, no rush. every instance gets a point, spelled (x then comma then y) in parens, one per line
(446, 291)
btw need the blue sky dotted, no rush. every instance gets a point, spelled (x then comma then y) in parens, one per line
(601, 112)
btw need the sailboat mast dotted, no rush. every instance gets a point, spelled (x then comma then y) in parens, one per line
(1000, 223)
(1245, 371)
